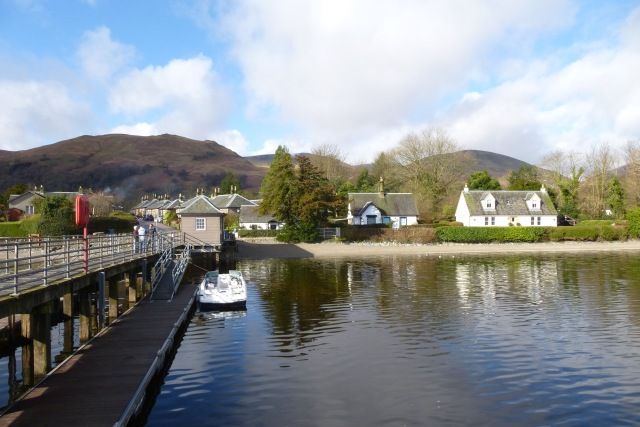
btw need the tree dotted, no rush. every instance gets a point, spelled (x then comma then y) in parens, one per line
(427, 163)
(632, 181)
(316, 196)
(567, 170)
(330, 162)
(600, 162)
(56, 216)
(525, 178)
(385, 166)
(279, 189)
(365, 182)
(483, 181)
(228, 182)
(615, 197)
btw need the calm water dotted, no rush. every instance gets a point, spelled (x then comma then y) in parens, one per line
(417, 341)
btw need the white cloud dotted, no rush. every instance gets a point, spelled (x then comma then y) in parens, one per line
(345, 67)
(185, 93)
(590, 100)
(100, 56)
(232, 139)
(37, 112)
(142, 129)
(294, 146)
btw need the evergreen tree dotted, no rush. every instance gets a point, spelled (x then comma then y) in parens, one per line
(279, 188)
(316, 196)
(365, 183)
(227, 182)
(57, 216)
(483, 181)
(615, 197)
(525, 178)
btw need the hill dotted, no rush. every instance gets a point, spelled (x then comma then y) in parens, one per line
(264, 160)
(498, 165)
(128, 165)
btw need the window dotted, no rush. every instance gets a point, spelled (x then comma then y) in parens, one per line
(488, 203)
(371, 219)
(201, 224)
(513, 219)
(534, 205)
(532, 220)
(493, 220)
(273, 225)
(486, 220)
(539, 220)
(254, 226)
(403, 220)
(29, 210)
(386, 220)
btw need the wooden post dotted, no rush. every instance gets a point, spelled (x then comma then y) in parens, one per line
(67, 304)
(132, 288)
(145, 277)
(42, 340)
(26, 322)
(85, 315)
(113, 299)
(139, 293)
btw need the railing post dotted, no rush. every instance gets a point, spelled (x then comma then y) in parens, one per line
(30, 247)
(100, 300)
(101, 240)
(46, 261)
(67, 257)
(15, 268)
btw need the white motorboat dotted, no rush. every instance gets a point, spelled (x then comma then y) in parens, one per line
(223, 291)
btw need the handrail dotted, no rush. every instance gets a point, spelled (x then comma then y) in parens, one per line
(181, 265)
(30, 262)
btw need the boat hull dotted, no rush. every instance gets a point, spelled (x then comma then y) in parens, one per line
(214, 306)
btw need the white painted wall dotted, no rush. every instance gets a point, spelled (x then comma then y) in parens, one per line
(462, 211)
(372, 210)
(258, 225)
(504, 221)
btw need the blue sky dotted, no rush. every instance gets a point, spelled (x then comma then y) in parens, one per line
(522, 78)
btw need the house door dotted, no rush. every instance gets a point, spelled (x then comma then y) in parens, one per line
(371, 219)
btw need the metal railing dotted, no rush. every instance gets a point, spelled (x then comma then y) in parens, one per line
(30, 262)
(180, 266)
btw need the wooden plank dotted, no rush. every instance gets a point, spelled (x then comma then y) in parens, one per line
(96, 384)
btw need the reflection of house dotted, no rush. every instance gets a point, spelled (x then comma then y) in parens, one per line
(25, 202)
(382, 208)
(480, 208)
(250, 218)
(230, 202)
(201, 219)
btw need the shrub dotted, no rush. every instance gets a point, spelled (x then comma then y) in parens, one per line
(30, 225)
(12, 229)
(633, 218)
(592, 222)
(295, 233)
(588, 233)
(490, 234)
(257, 233)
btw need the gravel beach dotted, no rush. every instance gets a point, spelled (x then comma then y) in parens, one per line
(269, 248)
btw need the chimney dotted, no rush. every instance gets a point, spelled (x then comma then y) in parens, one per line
(42, 189)
(466, 188)
(543, 189)
(180, 196)
(381, 187)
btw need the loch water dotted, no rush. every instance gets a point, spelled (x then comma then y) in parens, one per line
(416, 340)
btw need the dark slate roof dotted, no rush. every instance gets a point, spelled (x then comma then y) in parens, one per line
(225, 201)
(173, 204)
(392, 204)
(199, 205)
(250, 214)
(509, 203)
(20, 197)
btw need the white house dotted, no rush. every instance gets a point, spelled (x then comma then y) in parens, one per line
(382, 208)
(251, 219)
(487, 208)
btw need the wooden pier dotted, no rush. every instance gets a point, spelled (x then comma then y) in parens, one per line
(102, 384)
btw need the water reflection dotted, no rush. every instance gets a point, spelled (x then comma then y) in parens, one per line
(417, 341)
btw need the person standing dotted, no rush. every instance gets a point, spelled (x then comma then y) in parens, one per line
(136, 240)
(152, 237)
(141, 234)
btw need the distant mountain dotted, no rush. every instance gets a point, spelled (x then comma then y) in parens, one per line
(128, 165)
(498, 165)
(264, 160)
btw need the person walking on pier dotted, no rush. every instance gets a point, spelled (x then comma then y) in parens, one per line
(141, 233)
(136, 240)
(152, 237)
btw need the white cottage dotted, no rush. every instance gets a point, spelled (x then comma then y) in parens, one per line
(399, 209)
(252, 219)
(498, 208)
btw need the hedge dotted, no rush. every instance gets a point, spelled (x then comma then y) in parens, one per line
(105, 224)
(410, 234)
(490, 234)
(257, 233)
(585, 233)
(592, 222)
(12, 229)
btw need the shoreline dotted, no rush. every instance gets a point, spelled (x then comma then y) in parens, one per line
(271, 249)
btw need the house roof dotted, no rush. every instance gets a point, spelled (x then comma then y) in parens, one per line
(509, 203)
(225, 201)
(173, 204)
(24, 196)
(251, 214)
(200, 205)
(393, 204)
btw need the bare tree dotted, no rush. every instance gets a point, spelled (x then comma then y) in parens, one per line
(427, 163)
(632, 180)
(600, 163)
(330, 160)
(567, 170)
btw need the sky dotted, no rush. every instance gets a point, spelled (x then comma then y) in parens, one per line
(517, 77)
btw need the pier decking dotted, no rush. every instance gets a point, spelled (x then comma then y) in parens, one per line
(95, 386)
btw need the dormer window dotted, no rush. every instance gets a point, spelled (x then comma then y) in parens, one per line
(534, 205)
(488, 203)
